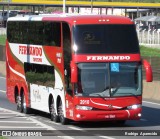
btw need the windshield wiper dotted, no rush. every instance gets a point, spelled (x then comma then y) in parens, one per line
(126, 94)
(96, 94)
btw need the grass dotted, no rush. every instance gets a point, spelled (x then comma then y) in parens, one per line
(3, 137)
(146, 51)
(2, 39)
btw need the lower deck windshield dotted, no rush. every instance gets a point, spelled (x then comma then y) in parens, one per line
(109, 79)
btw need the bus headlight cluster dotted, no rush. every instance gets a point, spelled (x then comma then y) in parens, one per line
(135, 106)
(79, 107)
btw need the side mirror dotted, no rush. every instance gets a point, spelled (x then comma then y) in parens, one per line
(74, 72)
(148, 69)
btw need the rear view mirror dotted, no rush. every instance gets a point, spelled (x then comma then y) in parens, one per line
(148, 69)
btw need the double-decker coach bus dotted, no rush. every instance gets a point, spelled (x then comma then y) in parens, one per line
(77, 67)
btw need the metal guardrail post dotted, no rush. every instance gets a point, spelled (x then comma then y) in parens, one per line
(148, 36)
(158, 36)
(153, 39)
(143, 37)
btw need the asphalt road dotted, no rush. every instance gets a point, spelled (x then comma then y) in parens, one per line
(40, 122)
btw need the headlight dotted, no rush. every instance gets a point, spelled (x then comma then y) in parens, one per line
(78, 107)
(135, 106)
(75, 48)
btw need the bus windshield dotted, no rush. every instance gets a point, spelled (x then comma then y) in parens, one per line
(93, 39)
(109, 79)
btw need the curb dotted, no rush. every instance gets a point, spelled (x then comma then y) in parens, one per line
(3, 68)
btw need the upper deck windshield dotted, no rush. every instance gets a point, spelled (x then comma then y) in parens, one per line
(91, 39)
(109, 79)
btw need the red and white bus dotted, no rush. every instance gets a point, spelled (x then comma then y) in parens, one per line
(77, 67)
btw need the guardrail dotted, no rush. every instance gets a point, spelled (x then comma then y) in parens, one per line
(149, 37)
(1, 24)
(2, 31)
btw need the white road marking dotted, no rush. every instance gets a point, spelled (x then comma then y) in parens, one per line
(2, 77)
(30, 118)
(52, 122)
(2, 91)
(56, 123)
(5, 117)
(20, 117)
(151, 102)
(105, 137)
(20, 127)
(65, 137)
(25, 122)
(6, 113)
(74, 128)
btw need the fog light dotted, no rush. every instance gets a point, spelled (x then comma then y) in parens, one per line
(79, 107)
(139, 114)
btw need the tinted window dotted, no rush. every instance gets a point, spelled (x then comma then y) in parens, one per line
(106, 39)
(40, 74)
(36, 33)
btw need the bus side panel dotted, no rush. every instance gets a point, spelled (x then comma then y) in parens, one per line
(55, 57)
(14, 74)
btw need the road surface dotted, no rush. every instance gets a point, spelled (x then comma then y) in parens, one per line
(40, 122)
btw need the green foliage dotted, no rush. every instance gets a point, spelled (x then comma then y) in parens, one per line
(41, 79)
(2, 39)
(3, 137)
(146, 51)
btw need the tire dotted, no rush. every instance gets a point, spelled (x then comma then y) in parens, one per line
(24, 108)
(18, 102)
(121, 122)
(63, 120)
(54, 117)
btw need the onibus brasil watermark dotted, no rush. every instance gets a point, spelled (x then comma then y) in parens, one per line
(22, 133)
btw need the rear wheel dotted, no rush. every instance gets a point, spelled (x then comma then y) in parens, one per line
(63, 120)
(24, 108)
(54, 117)
(18, 102)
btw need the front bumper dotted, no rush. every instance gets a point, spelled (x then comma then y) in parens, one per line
(91, 115)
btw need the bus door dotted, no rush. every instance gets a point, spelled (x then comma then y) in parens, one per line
(67, 71)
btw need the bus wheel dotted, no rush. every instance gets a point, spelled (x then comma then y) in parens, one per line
(18, 102)
(24, 108)
(63, 120)
(54, 117)
(121, 122)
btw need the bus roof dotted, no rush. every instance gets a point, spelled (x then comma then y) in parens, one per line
(76, 19)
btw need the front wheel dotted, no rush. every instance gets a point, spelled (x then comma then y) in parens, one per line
(63, 120)
(121, 122)
(23, 107)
